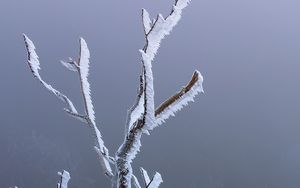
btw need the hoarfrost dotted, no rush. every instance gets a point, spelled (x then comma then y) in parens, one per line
(137, 110)
(182, 100)
(83, 68)
(84, 65)
(64, 179)
(34, 64)
(156, 181)
(136, 182)
(146, 21)
(154, 32)
(145, 176)
(142, 116)
(71, 65)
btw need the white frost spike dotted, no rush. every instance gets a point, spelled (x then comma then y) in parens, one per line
(156, 181)
(69, 65)
(145, 176)
(34, 64)
(84, 65)
(64, 179)
(183, 100)
(146, 21)
(136, 182)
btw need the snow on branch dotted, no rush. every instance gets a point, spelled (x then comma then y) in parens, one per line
(180, 99)
(162, 27)
(154, 34)
(154, 182)
(146, 21)
(149, 111)
(83, 69)
(137, 123)
(136, 182)
(145, 176)
(142, 116)
(102, 152)
(137, 110)
(71, 65)
(34, 64)
(84, 65)
(64, 179)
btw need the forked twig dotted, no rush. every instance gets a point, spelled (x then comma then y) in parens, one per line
(82, 68)
(146, 117)
(142, 117)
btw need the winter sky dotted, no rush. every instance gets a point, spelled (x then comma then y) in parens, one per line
(242, 133)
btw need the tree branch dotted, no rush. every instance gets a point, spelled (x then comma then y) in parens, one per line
(136, 182)
(83, 69)
(142, 116)
(137, 110)
(64, 179)
(180, 99)
(154, 182)
(34, 65)
(154, 33)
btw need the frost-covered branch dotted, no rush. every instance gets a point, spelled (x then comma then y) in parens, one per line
(180, 99)
(136, 181)
(151, 183)
(82, 67)
(145, 176)
(155, 181)
(34, 64)
(83, 70)
(137, 110)
(143, 117)
(64, 179)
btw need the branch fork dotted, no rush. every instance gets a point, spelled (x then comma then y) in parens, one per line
(142, 117)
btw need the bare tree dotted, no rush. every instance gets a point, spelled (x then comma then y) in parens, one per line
(142, 116)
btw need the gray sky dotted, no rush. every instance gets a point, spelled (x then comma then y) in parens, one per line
(242, 133)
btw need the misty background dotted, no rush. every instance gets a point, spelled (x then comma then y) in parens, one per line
(242, 133)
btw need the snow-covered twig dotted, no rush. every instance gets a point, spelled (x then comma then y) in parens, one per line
(154, 182)
(136, 181)
(137, 110)
(145, 176)
(82, 68)
(64, 179)
(180, 99)
(34, 64)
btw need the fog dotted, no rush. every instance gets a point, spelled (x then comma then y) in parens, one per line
(243, 132)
